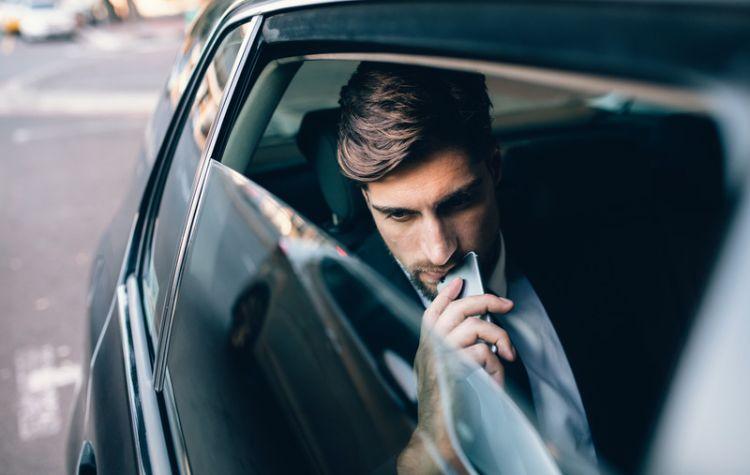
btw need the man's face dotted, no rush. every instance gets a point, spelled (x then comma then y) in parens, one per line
(432, 213)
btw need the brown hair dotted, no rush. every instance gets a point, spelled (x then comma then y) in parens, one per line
(391, 113)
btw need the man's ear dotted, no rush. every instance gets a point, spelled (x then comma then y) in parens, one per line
(495, 164)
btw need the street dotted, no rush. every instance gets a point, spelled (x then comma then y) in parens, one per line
(72, 116)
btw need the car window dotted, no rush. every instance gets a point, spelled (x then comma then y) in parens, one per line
(169, 221)
(196, 38)
(599, 199)
(304, 327)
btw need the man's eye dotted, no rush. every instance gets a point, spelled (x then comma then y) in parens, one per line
(399, 216)
(459, 203)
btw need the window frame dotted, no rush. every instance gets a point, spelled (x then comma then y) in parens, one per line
(653, 90)
(159, 342)
(154, 188)
(246, 54)
(324, 45)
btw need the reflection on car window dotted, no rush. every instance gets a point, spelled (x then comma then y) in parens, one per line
(195, 39)
(483, 428)
(170, 219)
(388, 336)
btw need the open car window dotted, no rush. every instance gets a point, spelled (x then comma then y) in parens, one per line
(603, 196)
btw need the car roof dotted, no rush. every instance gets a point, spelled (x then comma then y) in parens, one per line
(672, 42)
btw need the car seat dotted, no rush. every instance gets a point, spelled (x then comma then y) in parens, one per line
(349, 222)
(616, 226)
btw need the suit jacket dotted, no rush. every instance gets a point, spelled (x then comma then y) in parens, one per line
(563, 421)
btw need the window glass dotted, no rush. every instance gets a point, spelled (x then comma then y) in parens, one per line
(195, 39)
(601, 200)
(169, 222)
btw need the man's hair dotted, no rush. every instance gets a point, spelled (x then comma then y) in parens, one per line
(393, 114)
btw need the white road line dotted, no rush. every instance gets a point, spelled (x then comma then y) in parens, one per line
(38, 377)
(71, 130)
(126, 41)
(77, 102)
(20, 81)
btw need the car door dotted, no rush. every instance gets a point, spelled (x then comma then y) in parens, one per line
(124, 432)
(263, 360)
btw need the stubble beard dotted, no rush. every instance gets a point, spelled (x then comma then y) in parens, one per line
(487, 264)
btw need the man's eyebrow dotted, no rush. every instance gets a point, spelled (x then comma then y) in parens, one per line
(468, 188)
(392, 210)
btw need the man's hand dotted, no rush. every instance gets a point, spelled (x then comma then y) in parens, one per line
(450, 321)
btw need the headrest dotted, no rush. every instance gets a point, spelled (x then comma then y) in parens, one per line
(318, 139)
(659, 164)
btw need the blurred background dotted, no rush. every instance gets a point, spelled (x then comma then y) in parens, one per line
(78, 81)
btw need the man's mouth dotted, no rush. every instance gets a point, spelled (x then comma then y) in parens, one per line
(434, 276)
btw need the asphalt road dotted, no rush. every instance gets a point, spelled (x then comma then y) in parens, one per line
(72, 116)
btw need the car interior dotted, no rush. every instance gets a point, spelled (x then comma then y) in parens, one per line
(613, 209)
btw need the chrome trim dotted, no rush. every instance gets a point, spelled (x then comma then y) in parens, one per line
(160, 360)
(173, 417)
(242, 9)
(92, 361)
(153, 435)
(141, 435)
(679, 97)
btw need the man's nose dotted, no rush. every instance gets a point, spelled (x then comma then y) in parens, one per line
(438, 241)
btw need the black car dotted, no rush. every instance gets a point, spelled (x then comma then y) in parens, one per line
(239, 324)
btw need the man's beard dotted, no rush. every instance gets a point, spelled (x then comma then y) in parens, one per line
(421, 286)
(487, 263)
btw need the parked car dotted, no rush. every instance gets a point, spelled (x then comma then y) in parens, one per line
(10, 14)
(239, 324)
(85, 11)
(44, 19)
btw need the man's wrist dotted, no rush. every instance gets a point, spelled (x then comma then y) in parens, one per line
(415, 459)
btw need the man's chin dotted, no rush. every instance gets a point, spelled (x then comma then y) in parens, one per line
(428, 289)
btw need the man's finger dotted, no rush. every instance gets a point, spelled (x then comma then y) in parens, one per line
(443, 299)
(472, 329)
(481, 354)
(459, 310)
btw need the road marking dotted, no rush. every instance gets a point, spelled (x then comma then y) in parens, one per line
(82, 259)
(41, 304)
(76, 102)
(47, 70)
(132, 41)
(69, 129)
(38, 377)
(8, 44)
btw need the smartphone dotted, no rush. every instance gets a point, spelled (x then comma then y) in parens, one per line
(468, 271)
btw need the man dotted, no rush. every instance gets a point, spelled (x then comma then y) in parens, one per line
(420, 144)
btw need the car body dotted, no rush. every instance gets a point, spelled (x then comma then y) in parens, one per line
(238, 323)
(42, 19)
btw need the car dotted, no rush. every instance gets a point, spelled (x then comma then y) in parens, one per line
(10, 13)
(238, 322)
(86, 12)
(44, 19)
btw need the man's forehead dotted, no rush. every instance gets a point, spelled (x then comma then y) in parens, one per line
(425, 183)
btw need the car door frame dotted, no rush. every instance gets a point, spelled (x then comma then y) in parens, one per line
(140, 351)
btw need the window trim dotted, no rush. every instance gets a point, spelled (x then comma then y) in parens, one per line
(246, 53)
